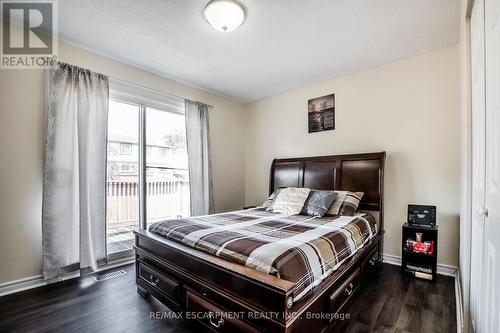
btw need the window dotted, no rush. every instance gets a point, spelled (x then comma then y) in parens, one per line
(164, 152)
(147, 166)
(125, 167)
(125, 148)
(122, 200)
(167, 193)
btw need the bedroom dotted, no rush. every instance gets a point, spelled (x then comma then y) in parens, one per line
(367, 129)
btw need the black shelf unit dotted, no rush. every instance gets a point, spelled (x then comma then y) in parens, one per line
(416, 261)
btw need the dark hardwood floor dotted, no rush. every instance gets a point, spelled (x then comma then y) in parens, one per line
(392, 303)
(397, 303)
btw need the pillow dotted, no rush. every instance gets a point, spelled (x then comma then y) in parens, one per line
(318, 202)
(269, 203)
(290, 200)
(346, 203)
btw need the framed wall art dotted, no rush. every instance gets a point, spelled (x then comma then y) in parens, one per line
(321, 113)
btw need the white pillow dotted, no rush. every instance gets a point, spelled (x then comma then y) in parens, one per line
(290, 200)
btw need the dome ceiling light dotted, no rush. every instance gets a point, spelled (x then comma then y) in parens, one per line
(224, 15)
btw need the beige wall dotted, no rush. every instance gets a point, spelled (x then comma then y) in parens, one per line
(22, 135)
(408, 108)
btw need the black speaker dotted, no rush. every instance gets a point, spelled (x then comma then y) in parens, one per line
(422, 215)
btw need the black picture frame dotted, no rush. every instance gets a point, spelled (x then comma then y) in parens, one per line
(321, 113)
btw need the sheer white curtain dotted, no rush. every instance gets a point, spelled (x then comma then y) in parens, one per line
(73, 218)
(200, 168)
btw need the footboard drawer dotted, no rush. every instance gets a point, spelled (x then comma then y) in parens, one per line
(370, 262)
(342, 294)
(159, 281)
(213, 316)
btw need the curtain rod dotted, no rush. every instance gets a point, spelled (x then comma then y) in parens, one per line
(111, 79)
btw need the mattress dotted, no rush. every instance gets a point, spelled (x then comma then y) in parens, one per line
(301, 249)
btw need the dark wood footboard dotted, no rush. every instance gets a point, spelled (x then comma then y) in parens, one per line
(227, 297)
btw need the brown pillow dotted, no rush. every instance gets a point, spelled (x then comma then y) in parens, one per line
(346, 203)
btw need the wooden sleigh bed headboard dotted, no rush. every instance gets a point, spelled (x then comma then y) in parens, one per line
(352, 172)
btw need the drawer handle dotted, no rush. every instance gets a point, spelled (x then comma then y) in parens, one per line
(372, 261)
(348, 290)
(154, 281)
(216, 324)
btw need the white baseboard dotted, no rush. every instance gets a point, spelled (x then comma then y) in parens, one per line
(460, 306)
(442, 269)
(38, 281)
(21, 284)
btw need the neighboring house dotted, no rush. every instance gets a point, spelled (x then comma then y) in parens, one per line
(165, 161)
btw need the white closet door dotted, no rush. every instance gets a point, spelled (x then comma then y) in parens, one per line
(491, 274)
(478, 164)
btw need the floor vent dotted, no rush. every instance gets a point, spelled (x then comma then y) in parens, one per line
(109, 276)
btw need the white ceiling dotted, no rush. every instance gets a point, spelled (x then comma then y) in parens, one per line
(283, 44)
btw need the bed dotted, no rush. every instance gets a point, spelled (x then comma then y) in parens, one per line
(254, 271)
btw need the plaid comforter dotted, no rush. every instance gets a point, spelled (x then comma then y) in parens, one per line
(297, 248)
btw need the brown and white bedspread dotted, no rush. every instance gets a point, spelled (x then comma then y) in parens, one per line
(297, 248)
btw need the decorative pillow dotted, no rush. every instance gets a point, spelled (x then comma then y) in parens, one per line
(269, 203)
(318, 202)
(290, 200)
(346, 203)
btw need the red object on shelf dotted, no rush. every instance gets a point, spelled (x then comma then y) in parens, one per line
(431, 248)
(420, 247)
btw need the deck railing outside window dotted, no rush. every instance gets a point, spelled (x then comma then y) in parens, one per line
(164, 200)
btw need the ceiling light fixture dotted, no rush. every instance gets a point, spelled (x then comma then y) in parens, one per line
(224, 15)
